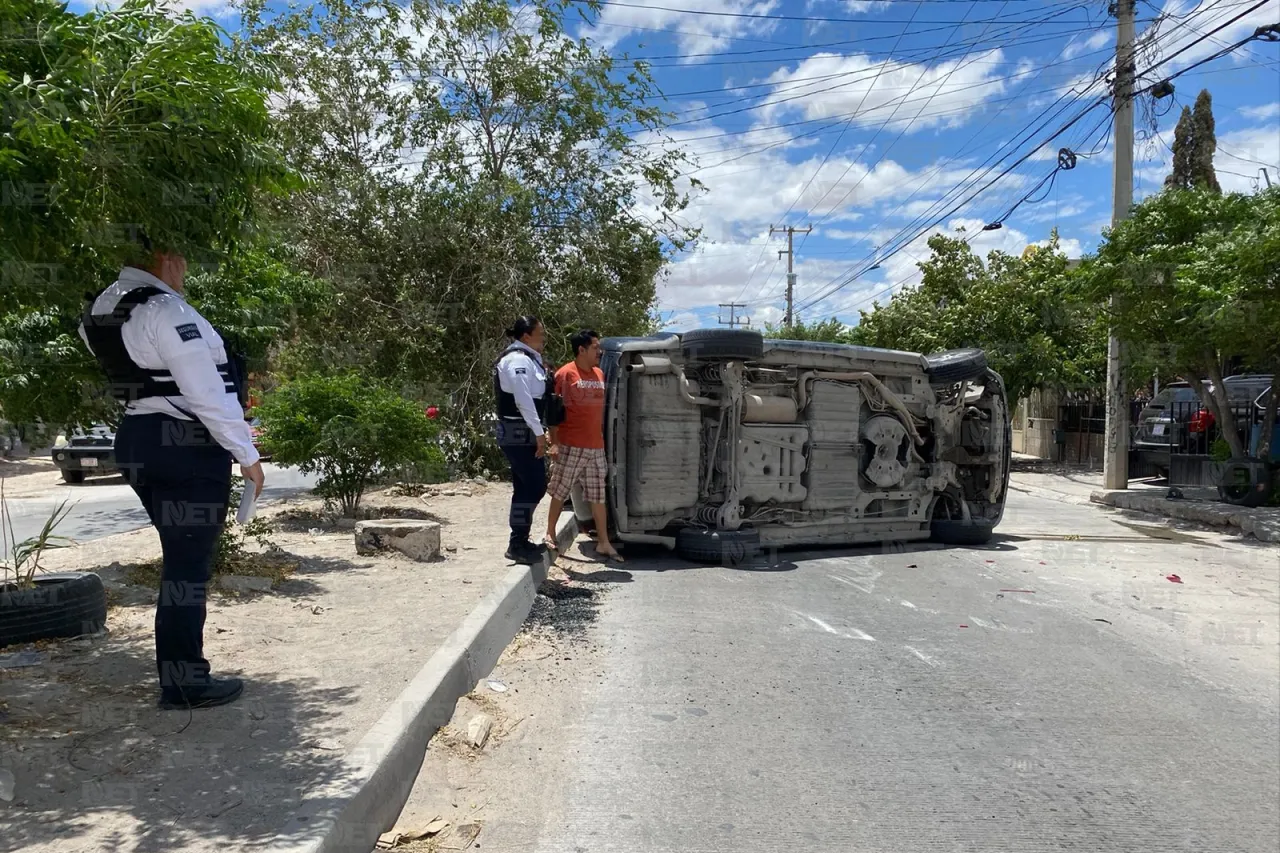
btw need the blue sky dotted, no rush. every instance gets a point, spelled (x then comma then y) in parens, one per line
(879, 123)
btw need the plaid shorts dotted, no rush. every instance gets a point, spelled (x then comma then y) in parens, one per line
(572, 466)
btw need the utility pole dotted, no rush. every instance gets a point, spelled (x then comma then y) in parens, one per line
(1266, 176)
(734, 319)
(1115, 457)
(790, 252)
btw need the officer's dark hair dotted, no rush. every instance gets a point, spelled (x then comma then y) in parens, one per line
(582, 339)
(523, 326)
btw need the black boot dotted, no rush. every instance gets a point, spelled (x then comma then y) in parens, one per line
(218, 691)
(525, 553)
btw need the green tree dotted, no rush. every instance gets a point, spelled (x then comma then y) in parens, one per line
(828, 331)
(115, 121)
(1196, 276)
(349, 428)
(1017, 309)
(1194, 144)
(468, 161)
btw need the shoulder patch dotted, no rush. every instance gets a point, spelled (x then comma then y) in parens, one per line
(187, 331)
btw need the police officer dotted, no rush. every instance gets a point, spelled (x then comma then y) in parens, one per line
(184, 422)
(522, 384)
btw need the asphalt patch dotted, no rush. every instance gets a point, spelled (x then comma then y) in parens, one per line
(563, 609)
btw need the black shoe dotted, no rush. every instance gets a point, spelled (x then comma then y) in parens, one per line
(526, 555)
(219, 691)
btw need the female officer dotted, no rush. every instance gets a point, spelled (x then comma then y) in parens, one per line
(522, 384)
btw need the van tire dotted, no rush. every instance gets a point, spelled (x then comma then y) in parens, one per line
(722, 344)
(956, 365)
(722, 547)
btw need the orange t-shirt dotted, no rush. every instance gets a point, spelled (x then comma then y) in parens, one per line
(583, 396)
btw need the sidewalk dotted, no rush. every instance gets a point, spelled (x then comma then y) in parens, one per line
(1078, 485)
(345, 645)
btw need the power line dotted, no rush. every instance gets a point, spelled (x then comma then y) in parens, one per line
(830, 151)
(852, 277)
(709, 13)
(885, 152)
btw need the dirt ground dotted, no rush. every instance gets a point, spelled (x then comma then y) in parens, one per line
(96, 766)
(458, 780)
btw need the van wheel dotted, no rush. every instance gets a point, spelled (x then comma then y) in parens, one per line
(726, 344)
(956, 365)
(722, 547)
(73, 476)
(948, 532)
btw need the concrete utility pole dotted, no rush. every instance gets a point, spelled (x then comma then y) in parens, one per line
(734, 319)
(791, 257)
(1115, 458)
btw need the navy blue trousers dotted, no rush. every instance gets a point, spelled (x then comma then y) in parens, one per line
(528, 477)
(183, 478)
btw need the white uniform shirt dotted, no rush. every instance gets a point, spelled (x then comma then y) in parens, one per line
(522, 374)
(166, 333)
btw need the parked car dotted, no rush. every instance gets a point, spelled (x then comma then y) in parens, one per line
(720, 443)
(85, 453)
(1176, 421)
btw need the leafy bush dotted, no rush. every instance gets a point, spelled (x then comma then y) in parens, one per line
(349, 429)
(1220, 451)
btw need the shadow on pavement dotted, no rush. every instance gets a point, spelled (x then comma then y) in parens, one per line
(97, 766)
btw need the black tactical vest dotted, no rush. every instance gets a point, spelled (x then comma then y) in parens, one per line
(507, 408)
(128, 381)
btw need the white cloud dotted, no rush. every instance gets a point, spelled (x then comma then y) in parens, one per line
(1192, 21)
(758, 186)
(1261, 113)
(896, 94)
(1246, 152)
(694, 33)
(217, 9)
(1094, 42)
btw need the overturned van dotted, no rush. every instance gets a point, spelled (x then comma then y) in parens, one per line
(721, 443)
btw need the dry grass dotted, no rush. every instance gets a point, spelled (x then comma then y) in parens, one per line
(278, 567)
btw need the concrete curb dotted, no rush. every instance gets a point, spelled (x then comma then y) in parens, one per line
(1263, 523)
(348, 813)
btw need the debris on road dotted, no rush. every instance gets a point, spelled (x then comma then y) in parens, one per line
(7, 784)
(399, 837)
(1101, 620)
(1173, 579)
(478, 730)
(1028, 591)
(465, 835)
(496, 686)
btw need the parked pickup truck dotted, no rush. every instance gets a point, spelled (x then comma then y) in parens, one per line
(85, 453)
(721, 443)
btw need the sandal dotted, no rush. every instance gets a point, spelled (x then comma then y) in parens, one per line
(611, 556)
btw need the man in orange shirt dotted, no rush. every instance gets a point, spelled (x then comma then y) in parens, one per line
(578, 442)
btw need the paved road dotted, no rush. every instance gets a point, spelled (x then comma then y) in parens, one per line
(106, 505)
(933, 699)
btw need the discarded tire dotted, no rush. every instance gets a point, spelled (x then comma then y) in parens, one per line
(948, 532)
(956, 365)
(1244, 482)
(64, 604)
(723, 547)
(729, 344)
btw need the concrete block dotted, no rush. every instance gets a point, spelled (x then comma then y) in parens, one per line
(416, 539)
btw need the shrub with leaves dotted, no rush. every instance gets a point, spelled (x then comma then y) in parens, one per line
(349, 429)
